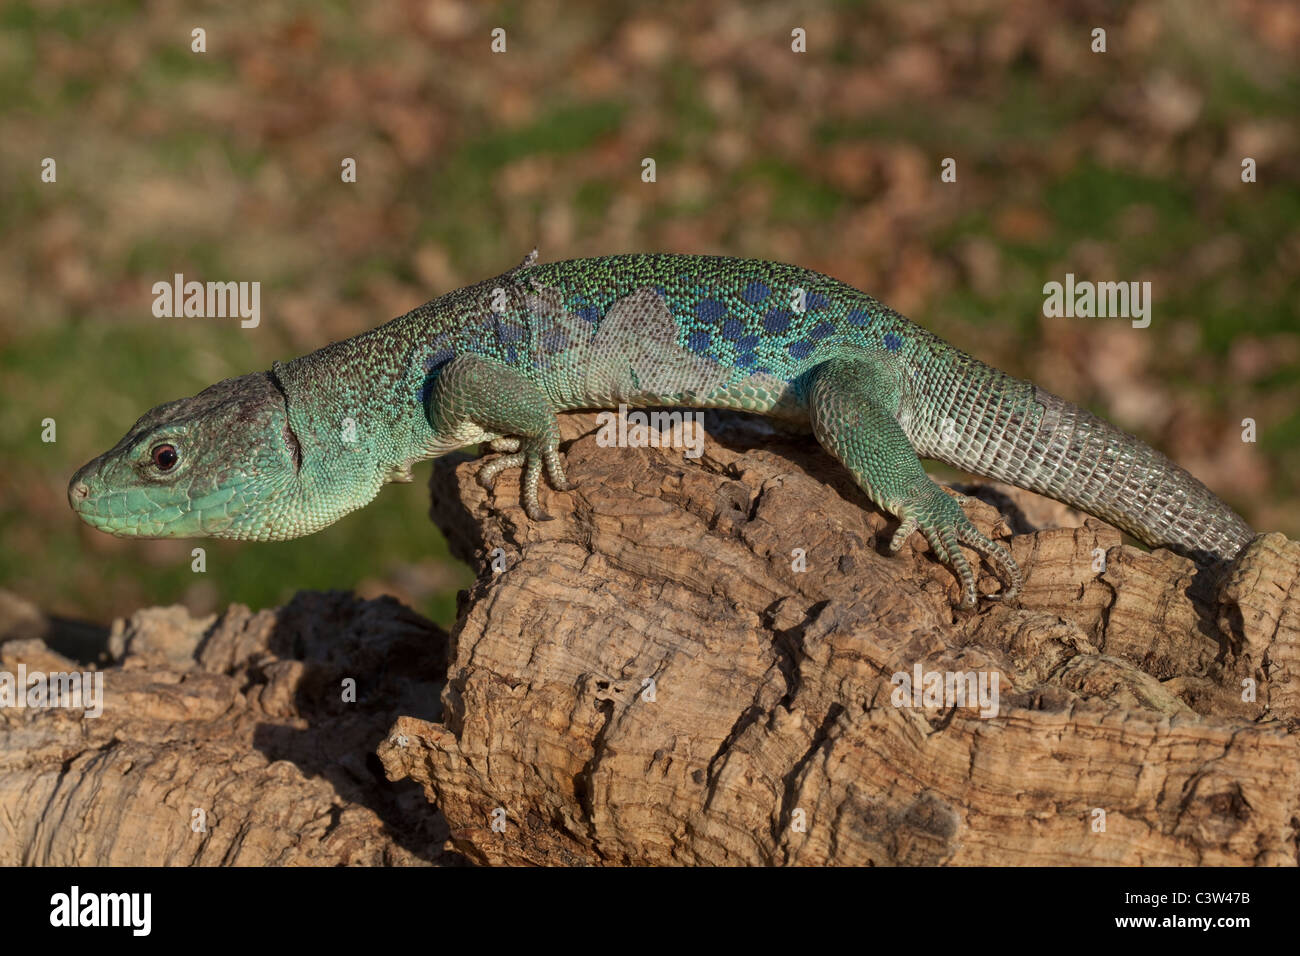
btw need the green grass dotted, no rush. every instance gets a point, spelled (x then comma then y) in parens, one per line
(1089, 200)
(797, 195)
(70, 19)
(561, 131)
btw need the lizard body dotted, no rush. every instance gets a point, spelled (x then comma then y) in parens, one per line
(279, 454)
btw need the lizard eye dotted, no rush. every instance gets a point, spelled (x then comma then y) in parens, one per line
(165, 457)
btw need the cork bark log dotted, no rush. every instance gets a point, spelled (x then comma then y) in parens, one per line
(654, 678)
(224, 740)
(651, 680)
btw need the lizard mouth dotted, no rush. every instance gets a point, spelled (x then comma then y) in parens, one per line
(152, 511)
(115, 512)
(99, 513)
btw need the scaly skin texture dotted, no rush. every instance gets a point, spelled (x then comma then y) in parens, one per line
(276, 455)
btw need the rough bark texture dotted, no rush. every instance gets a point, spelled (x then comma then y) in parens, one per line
(768, 734)
(240, 717)
(771, 736)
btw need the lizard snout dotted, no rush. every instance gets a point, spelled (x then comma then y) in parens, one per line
(79, 487)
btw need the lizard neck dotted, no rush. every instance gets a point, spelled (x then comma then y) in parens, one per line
(353, 421)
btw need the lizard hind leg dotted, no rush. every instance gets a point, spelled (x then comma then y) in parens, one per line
(854, 404)
(476, 399)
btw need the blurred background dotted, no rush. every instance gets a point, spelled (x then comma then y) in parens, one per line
(1122, 166)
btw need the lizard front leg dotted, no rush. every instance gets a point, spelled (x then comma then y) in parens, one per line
(853, 404)
(479, 399)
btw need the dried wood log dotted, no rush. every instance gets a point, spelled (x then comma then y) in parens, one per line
(697, 663)
(223, 740)
(655, 678)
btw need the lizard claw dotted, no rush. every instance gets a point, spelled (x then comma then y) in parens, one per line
(525, 453)
(946, 527)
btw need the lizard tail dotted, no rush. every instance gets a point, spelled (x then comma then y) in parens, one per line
(1014, 431)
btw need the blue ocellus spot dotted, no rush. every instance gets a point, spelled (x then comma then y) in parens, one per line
(746, 360)
(801, 349)
(756, 292)
(698, 342)
(893, 341)
(822, 331)
(732, 329)
(589, 313)
(554, 340)
(859, 317)
(710, 309)
(747, 343)
(776, 320)
(816, 301)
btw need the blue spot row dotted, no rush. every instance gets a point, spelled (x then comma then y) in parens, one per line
(893, 341)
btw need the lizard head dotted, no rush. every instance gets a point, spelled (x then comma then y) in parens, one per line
(224, 463)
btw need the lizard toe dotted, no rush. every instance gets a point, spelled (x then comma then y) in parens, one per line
(903, 533)
(1000, 558)
(555, 471)
(945, 542)
(487, 474)
(941, 519)
(533, 456)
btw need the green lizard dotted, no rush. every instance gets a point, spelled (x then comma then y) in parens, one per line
(280, 454)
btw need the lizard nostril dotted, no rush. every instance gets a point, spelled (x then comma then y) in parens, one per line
(78, 491)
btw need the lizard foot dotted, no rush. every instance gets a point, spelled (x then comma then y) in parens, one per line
(531, 455)
(944, 524)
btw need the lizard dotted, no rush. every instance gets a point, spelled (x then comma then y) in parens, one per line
(278, 454)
